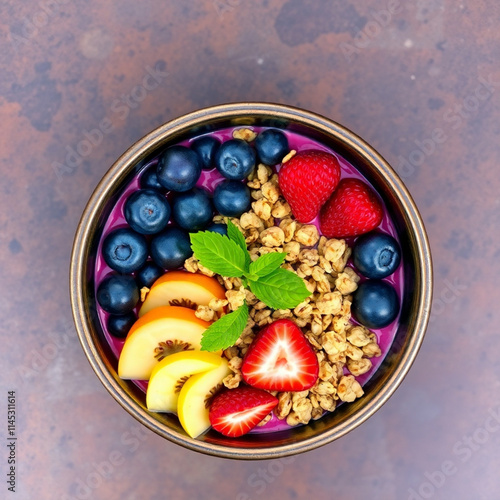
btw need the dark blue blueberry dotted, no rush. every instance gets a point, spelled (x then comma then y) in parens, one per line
(375, 304)
(124, 250)
(232, 198)
(147, 211)
(120, 325)
(192, 210)
(149, 180)
(179, 168)
(217, 228)
(275, 122)
(202, 129)
(376, 255)
(148, 274)
(271, 146)
(206, 147)
(118, 294)
(171, 248)
(235, 159)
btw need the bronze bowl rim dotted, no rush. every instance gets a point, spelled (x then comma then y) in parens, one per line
(117, 173)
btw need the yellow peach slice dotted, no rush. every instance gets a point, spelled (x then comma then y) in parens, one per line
(182, 288)
(163, 330)
(169, 375)
(194, 398)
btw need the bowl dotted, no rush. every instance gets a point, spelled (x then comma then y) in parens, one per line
(416, 299)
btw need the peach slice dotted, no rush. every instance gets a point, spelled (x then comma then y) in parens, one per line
(170, 374)
(182, 288)
(162, 331)
(194, 399)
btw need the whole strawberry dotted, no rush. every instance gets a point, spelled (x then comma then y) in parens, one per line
(307, 180)
(353, 209)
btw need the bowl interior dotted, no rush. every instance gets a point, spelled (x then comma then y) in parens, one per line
(417, 290)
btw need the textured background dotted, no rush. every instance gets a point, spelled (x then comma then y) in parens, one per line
(420, 83)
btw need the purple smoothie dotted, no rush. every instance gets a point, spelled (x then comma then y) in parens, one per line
(208, 181)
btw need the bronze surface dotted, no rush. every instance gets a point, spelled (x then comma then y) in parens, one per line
(421, 85)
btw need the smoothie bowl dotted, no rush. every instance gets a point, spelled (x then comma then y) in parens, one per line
(251, 281)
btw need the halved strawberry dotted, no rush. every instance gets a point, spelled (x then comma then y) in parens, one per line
(235, 412)
(280, 359)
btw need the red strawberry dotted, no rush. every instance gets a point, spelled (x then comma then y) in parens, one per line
(307, 180)
(353, 209)
(234, 412)
(280, 359)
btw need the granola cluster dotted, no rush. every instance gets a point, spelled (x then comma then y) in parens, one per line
(344, 351)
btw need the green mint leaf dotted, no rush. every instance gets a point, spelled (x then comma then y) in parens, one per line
(225, 331)
(218, 253)
(280, 289)
(266, 264)
(236, 235)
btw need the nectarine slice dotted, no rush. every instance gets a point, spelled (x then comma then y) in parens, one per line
(194, 399)
(170, 374)
(182, 288)
(161, 331)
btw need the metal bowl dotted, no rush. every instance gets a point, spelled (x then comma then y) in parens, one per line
(416, 301)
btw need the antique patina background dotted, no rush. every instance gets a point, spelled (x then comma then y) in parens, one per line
(419, 80)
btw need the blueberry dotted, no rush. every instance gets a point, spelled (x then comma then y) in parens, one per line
(235, 159)
(232, 198)
(206, 147)
(376, 255)
(202, 129)
(218, 228)
(271, 146)
(192, 210)
(120, 325)
(147, 211)
(149, 180)
(179, 168)
(275, 123)
(171, 248)
(118, 294)
(375, 304)
(148, 274)
(124, 250)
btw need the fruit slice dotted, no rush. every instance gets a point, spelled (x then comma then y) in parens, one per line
(195, 398)
(170, 374)
(307, 180)
(162, 331)
(352, 209)
(183, 289)
(280, 359)
(237, 411)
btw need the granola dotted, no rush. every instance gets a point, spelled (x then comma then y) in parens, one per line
(344, 350)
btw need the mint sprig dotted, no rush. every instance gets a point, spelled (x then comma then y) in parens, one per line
(266, 264)
(228, 256)
(219, 254)
(234, 234)
(280, 289)
(225, 331)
